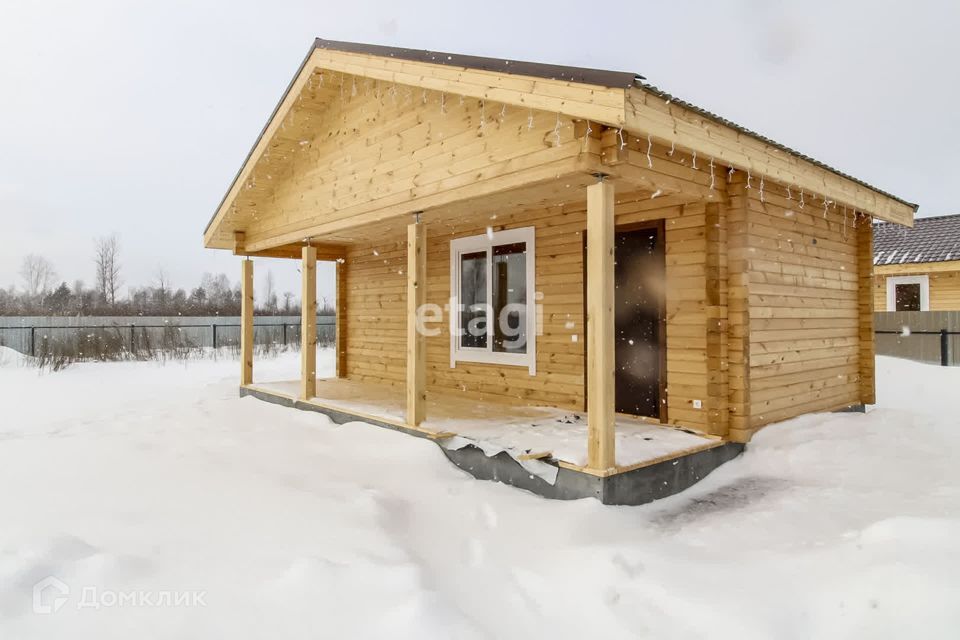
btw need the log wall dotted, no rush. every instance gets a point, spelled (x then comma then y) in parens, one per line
(801, 268)
(375, 322)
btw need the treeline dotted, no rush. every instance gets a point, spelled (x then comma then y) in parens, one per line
(215, 295)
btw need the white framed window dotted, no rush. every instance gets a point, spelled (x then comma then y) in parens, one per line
(908, 293)
(492, 299)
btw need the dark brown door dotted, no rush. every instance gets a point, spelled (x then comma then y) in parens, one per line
(639, 321)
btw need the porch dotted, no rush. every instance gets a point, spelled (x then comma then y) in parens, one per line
(400, 368)
(524, 433)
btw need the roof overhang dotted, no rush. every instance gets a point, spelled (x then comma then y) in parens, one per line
(615, 99)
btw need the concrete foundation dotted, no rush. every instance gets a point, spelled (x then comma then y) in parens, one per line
(638, 486)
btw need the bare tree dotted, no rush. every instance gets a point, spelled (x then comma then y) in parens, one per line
(161, 280)
(38, 274)
(270, 294)
(107, 259)
(78, 294)
(325, 307)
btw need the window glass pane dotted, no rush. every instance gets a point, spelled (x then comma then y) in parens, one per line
(473, 298)
(908, 297)
(509, 291)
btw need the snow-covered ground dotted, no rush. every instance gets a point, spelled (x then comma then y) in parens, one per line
(139, 485)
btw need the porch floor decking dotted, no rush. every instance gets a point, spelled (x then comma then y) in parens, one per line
(492, 425)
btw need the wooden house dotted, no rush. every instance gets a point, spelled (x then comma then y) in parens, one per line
(659, 282)
(917, 269)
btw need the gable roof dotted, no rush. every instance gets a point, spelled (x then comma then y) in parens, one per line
(893, 208)
(599, 77)
(934, 239)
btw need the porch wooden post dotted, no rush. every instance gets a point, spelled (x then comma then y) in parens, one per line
(601, 409)
(340, 337)
(308, 324)
(416, 344)
(246, 322)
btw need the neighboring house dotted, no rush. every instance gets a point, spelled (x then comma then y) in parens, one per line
(572, 281)
(917, 269)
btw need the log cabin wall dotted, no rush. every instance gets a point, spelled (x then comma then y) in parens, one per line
(382, 147)
(802, 274)
(375, 294)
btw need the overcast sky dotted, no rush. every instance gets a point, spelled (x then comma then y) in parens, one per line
(133, 117)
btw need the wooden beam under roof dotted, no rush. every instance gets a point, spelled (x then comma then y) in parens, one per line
(525, 172)
(674, 123)
(593, 102)
(325, 252)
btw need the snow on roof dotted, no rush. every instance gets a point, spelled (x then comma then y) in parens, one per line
(934, 239)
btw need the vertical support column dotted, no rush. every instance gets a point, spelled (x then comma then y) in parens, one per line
(868, 393)
(416, 343)
(246, 322)
(308, 324)
(715, 234)
(601, 410)
(340, 338)
(738, 310)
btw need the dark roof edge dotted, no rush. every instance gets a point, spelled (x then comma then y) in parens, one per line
(733, 125)
(583, 75)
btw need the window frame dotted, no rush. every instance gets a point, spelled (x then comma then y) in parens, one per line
(923, 281)
(486, 355)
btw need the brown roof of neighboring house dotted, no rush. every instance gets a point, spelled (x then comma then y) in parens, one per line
(934, 239)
